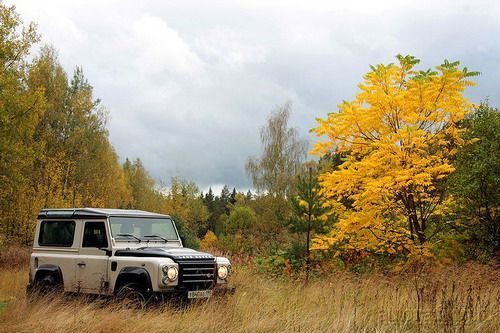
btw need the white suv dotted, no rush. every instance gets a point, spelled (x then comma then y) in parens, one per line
(132, 254)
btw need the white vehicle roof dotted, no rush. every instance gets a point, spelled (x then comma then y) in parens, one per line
(74, 213)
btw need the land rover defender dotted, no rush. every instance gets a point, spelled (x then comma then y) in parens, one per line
(129, 254)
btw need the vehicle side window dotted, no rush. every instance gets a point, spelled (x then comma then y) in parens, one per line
(56, 233)
(94, 235)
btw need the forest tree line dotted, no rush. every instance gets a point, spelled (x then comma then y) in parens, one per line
(408, 170)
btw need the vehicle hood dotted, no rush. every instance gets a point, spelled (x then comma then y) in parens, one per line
(159, 252)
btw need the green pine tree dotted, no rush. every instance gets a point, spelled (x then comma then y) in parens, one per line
(309, 214)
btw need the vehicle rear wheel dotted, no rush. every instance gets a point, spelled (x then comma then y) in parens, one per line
(131, 297)
(47, 286)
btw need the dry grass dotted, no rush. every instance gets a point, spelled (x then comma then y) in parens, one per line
(14, 256)
(460, 299)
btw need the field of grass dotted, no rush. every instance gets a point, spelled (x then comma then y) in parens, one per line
(453, 299)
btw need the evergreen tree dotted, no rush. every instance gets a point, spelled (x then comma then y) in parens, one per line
(232, 198)
(249, 196)
(225, 199)
(208, 200)
(309, 214)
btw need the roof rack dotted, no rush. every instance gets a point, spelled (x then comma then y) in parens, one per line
(93, 213)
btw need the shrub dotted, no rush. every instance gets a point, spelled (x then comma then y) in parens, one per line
(209, 241)
(238, 244)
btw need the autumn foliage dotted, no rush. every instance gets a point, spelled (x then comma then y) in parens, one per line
(397, 139)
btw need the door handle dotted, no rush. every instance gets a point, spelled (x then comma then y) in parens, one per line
(81, 264)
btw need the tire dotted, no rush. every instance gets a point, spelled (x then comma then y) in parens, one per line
(47, 286)
(131, 297)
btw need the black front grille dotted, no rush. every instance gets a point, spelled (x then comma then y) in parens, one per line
(196, 274)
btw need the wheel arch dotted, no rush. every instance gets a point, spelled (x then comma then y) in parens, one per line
(49, 270)
(136, 275)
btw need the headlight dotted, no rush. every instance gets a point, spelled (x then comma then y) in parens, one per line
(222, 272)
(172, 273)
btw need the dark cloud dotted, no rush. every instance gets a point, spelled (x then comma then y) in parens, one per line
(188, 85)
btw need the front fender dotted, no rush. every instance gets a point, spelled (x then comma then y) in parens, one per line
(136, 275)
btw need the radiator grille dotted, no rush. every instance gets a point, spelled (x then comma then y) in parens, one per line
(197, 274)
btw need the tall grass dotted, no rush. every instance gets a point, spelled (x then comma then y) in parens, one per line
(455, 299)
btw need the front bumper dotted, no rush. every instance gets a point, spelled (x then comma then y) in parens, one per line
(217, 291)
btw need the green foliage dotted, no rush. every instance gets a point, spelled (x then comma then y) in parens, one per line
(240, 220)
(289, 263)
(218, 209)
(189, 236)
(239, 244)
(308, 215)
(239, 231)
(309, 211)
(273, 265)
(476, 182)
(268, 228)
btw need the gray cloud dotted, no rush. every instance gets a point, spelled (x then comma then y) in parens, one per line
(188, 84)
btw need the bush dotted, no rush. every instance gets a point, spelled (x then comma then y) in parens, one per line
(209, 241)
(290, 263)
(238, 244)
(241, 219)
(273, 265)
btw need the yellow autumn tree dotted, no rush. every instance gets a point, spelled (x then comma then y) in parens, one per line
(397, 138)
(209, 242)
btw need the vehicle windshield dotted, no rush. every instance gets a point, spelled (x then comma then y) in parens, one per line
(144, 228)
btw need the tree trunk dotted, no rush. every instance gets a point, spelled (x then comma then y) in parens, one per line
(308, 252)
(418, 228)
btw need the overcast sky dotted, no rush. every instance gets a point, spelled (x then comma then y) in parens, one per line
(188, 84)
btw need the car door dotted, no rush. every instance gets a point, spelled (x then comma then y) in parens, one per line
(92, 262)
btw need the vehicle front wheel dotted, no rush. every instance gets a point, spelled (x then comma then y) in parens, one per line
(130, 297)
